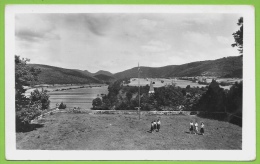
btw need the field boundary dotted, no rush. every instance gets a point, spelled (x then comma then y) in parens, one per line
(129, 112)
(142, 112)
(153, 112)
(221, 116)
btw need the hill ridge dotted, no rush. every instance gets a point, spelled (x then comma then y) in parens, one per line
(224, 67)
(57, 75)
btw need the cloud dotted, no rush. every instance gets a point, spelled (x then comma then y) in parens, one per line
(96, 26)
(147, 24)
(156, 46)
(118, 41)
(224, 40)
(198, 39)
(36, 28)
(204, 18)
(31, 36)
(26, 34)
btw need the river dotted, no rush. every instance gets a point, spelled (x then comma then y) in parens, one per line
(81, 97)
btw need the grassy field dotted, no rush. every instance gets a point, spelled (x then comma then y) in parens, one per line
(181, 83)
(158, 82)
(65, 131)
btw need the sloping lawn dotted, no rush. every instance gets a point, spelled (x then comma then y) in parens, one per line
(66, 131)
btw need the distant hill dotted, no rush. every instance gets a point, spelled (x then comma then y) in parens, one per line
(56, 75)
(102, 72)
(104, 78)
(86, 72)
(224, 67)
(145, 72)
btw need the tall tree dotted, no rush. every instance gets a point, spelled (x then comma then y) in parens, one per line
(238, 36)
(214, 100)
(235, 99)
(26, 110)
(24, 76)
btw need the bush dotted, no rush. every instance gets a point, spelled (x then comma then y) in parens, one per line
(25, 115)
(76, 110)
(96, 103)
(222, 83)
(62, 106)
(180, 113)
(122, 106)
(193, 113)
(38, 102)
(215, 116)
(40, 97)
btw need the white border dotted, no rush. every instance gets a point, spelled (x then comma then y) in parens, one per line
(248, 151)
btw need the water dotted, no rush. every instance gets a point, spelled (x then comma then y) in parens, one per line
(80, 97)
(83, 97)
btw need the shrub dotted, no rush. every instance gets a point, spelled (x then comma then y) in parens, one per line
(222, 83)
(76, 110)
(122, 106)
(62, 106)
(40, 97)
(25, 115)
(180, 113)
(193, 113)
(96, 103)
(38, 102)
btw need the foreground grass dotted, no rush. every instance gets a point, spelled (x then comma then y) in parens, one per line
(64, 131)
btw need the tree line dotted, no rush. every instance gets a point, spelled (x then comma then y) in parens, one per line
(211, 98)
(27, 108)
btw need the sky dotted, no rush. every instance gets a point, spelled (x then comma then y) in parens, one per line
(116, 42)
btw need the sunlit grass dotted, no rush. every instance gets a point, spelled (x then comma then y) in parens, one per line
(65, 131)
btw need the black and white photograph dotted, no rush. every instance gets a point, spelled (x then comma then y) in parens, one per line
(130, 82)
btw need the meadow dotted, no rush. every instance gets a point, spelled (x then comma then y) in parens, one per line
(59, 87)
(160, 82)
(69, 131)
